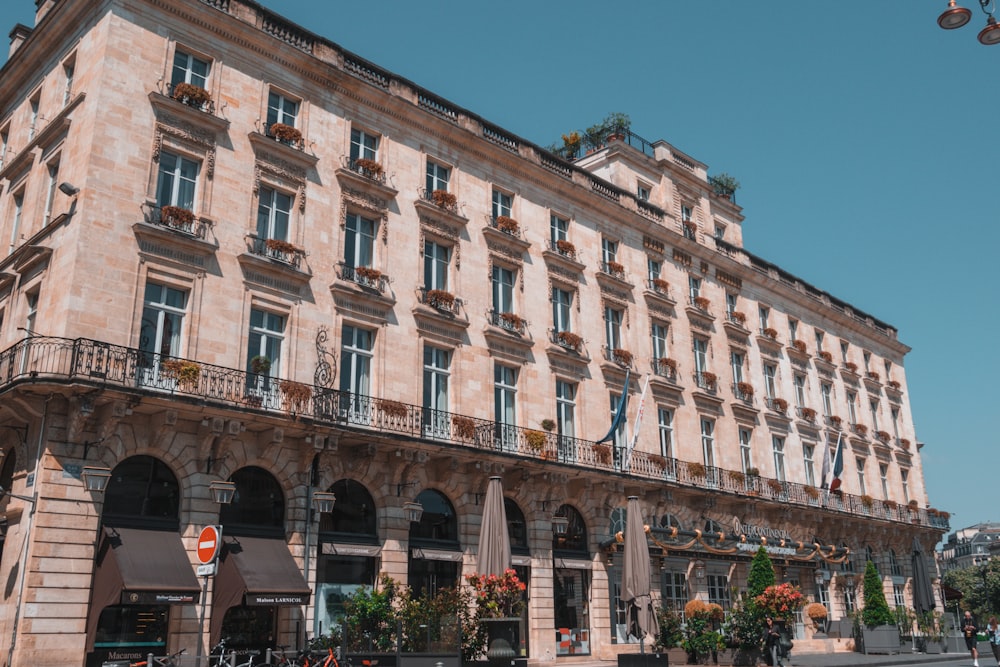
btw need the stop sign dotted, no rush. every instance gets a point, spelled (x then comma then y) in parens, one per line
(209, 541)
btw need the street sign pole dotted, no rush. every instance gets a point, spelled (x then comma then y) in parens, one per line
(207, 549)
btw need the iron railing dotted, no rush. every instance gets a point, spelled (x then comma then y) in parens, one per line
(100, 364)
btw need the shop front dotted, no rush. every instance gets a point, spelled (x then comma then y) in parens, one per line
(571, 580)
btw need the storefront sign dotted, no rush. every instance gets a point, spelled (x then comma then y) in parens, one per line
(752, 530)
(267, 599)
(333, 549)
(773, 550)
(158, 597)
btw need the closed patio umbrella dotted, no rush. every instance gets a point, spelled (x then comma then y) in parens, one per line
(923, 591)
(635, 575)
(494, 541)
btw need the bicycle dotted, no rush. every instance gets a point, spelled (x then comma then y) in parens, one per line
(220, 661)
(166, 661)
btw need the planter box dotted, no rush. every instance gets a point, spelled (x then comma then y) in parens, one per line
(642, 660)
(955, 644)
(883, 639)
(932, 647)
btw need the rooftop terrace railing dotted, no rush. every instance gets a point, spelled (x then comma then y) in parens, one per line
(101, 364)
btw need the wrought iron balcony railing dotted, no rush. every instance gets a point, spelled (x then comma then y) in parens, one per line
(153, 215)
(98, 364)
(364, 276)
(280, 251)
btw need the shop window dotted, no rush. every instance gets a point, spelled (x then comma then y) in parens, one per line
(258, 506)
(143, 493)
(437, 530)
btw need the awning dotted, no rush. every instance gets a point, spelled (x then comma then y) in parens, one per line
(337, 549)
(255, 571)
(520, 560)
(140, 567)
(438, 554)
(573, 564)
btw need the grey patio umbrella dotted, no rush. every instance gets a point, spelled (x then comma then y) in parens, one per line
(494, 541)
(923, 590)
(635, 575)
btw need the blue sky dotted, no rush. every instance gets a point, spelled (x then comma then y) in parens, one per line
(858, 130)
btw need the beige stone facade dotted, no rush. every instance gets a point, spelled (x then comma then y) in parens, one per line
(414, 344)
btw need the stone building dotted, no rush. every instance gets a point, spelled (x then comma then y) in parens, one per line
(970, 546)
(246, 265)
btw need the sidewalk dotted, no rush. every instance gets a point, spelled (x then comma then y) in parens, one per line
(849, 659)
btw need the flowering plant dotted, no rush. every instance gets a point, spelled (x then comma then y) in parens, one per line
(498, 596)
(780, 600)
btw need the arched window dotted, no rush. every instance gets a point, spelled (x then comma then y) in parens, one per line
(353, 517)
(713, 527)
(517, 528)
(142, 492)
(258, 506)
(575, 539)
(617, 521)
(7, 470)
(435, 552)
(670, 521)
(894, 567)
(438, 524)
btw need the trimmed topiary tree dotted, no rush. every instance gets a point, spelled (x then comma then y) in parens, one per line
(876, 610)
(761, 573)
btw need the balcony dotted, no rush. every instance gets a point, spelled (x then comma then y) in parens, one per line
(509, 322)
(365, 175)
(276, 250)
(613, 269)
(563, 258)
(100, 365)
(364, 276)
(706, 381)
(182, 104)
(743, 391)
(567, 340)
(176, 220)
(618, 356)
(778, 405)
(665, 367)
(441, 301)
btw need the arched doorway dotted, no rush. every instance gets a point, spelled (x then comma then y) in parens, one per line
(435, 552)
(347, 553)
(571, 574)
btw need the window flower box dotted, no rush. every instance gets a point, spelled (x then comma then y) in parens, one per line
(851, 366)
(811, 491)
(279, 245)
(535, 440)
(187, 373)
(883, 436)
(441, 299)
(873, 375)
(690, 229)
(602, 454)
(835, 420)
(295, 395)
(771, 333)
(368, 167)
(566, 248)
(177, 217)
(508, 225)
(808, 414)
(393, 409)
(776, 486)
(463, 428)
(623, 357)
(569, 339)
(285, 134)
(867, 501)
(615, 269)
(736, 477)
(511, 321)
(738, 317)
(444, 199)
(861, 429)
(890, 504)
(825, 356)
(779, 404)
(368, 274)
(668, 363)
(745, 388)
(696, 470)
(701, 302)
(799, 345)
(913, 505)
(894, 384)
(658, 462)
(191, 95)
(661, 285)
(904, 443)
(709, 379)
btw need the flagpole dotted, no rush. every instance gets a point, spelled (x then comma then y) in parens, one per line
(635, 428)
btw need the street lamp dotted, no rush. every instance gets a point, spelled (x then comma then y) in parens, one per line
(699, 569)
(956, 17)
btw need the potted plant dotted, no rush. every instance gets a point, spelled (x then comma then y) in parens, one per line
(776, 486)
(724, 185)
(186, 373)
(623, 357)
(295, 395)
(569, 339)
(745, 388)
(904, 443)
(444, 199)
(780, 404)
(669, 635)
(499, 602)
(851, 366)
(440, 299)
(565, 247)
(811, 491)
(393, 409)
(710, 379)
(873, 375)
(368, 274)
(808, 414)
(700, 639)
(799, 345)
(701, 302)
(817, 614)
(836, 421)
(280, 246)
(463, 428)
(771, 333)
(368, 167)
(191, 95)
(738, 317)
(511, 321)
(615, 269)
(743, 627)
(617, 125)
(507, 225)
(602, 454)
(658, 462)
(894, 384)
(571, 144)
(879, 632)
(661, 285)
(285, 134)
(535, 440)
(696, 470)
(667, 362)
(548, 425)
(825, 356)
(175, 216)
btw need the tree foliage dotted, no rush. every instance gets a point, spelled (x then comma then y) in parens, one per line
(876, 610)
(761, 574)
(980, 588)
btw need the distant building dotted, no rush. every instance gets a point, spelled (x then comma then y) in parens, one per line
(244, 267)
(970, 546)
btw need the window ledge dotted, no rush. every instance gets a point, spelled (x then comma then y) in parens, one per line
(262, 142)
(186, 112)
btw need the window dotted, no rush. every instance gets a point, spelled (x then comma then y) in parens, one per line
(883, 475)
(437, 258)
(357, 345)
(675, 590)
(620, 433)
(731, 300)
(888, 369)
(503, 289)
(609, 250)
(736, 359)
(873, 408)
(699, 347)
(694, 287)
(364, 146)
(15, 228)
(764, 313)
(31, 314)
(51, 186)
(851, 411)
(894, 413)
(438, 176)
(819, 341)
(897, 595)
(720, 232)
(866, 356)
(565, 415)
(658, 333)
(746, 459)
(562, 306)
(281, 109)
(642, 192)
(778, 449)
(793, 329)
(4, 141)
(860, 463)
(613, 327)
(686, 213)
(718, 589)
(359, 241)
(437, 365)
(274, 210)
(558, 229)
(904, 479)
(808, 453)
(653, 269)
(665, 424)
(708, 443)
(850, 602)
(504, 404)
(502, 204)
(69, 71)
(844, 348)
(177, 181)
(895, 569)
(770, 370)
(267, 332)
(826, 391)
(189, 69)
(799, 381)
(33, 117)
(162, 323)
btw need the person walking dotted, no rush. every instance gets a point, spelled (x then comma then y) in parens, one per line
(969, 631)
(993, 632)
(772, 642)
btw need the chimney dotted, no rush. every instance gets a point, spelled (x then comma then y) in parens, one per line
(42, 7)
(20, 33)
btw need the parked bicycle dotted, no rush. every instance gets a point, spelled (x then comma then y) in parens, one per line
(219, 658)
(166, 661)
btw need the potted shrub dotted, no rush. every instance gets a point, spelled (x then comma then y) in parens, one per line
(571, 144)
(444, 199)
(904, 443)
(817, 614)
(281, 246)
(873, 375)
(569, 339)
(894, 384)
(187, 373)
(799, 345)
(617, 125)
(811, 491)
(724, 185)
(548, 425)
(710, 379)
(745, 388)
(825, 356)
(368, 273)
(623, 357)
(260, 365)
(535, 440)
(780, 404)
(368, 167)
(808, 414)
(738, 317)
(285, 134)
(667, 362)
(861, 429)
(511, 321)
(440, 299)
(393, 409)
(507, 225)
(565, 247)
(669, 635)
(883, 436)
(879, 632)
(701, 302)
(771, 333)
(295, 395)
(175, 216)
(602, 454)
(836, 421)
(851, 366)
(191, 95)
(700, 640)
(615, 269)
(777, 488)
(659, 462)
(463, 427)
(696, 470)
(737, 478)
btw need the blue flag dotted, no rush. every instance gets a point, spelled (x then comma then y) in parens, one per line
(620, 413)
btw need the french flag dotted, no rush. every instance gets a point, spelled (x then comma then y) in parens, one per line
(833, 469)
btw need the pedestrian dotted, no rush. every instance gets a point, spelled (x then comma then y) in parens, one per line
(993, 632)
(772, 642)
(969, 631)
